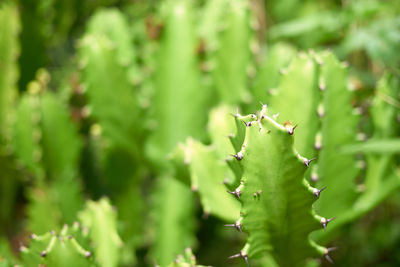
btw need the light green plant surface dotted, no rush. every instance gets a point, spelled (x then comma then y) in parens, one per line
(381, 177)
(276, 198)
(50, 155)
(101, 221)
(180, 109)
(179, 94)
(173, 213)
(109, 90)
(9, 51)
(201, 168)
(338, 128)
(276, 59)
(69, 247)
(185, 260)
(110, 75)
(296, 100)
(230, 73)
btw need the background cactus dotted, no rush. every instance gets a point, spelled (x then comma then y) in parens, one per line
(134, 108)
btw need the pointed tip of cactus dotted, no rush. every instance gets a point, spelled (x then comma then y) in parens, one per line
(243, 255)
(308, 161)
(88, 254)
(317, 192)
(236, 193)
(326, 254)
(238, 156)
(324, 221)
(194, 188)
(238, 225)
(322, 86)
(43, 253)
(289, 127)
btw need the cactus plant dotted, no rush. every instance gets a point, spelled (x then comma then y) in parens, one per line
(381, 177)
(9, 51)
(235, 38)
(206, 172)
(100, 219)
(185, 260)
(112, 91)
(37, 147)
(180, 105)
(276, 198)
(68, 248)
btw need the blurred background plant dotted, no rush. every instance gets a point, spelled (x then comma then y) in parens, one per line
(98, 100)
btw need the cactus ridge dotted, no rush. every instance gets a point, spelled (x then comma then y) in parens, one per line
(276, 198)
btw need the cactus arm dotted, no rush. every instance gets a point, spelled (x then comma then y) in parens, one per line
(185, 260)
(207, 174)
(276, 200)
(339, 124)
(276, 58)
(381, 178)
(296, 100)
(385, 126)
(9, 50)
(67, 248)
(220, 127)
(59, 135)
(27, 135)
(61, 153)
(101, 221)
(230, 73)
(212, 15)
(107, 78)
(180, 99)
(114, 25)
(174, 219)
(180, 110)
